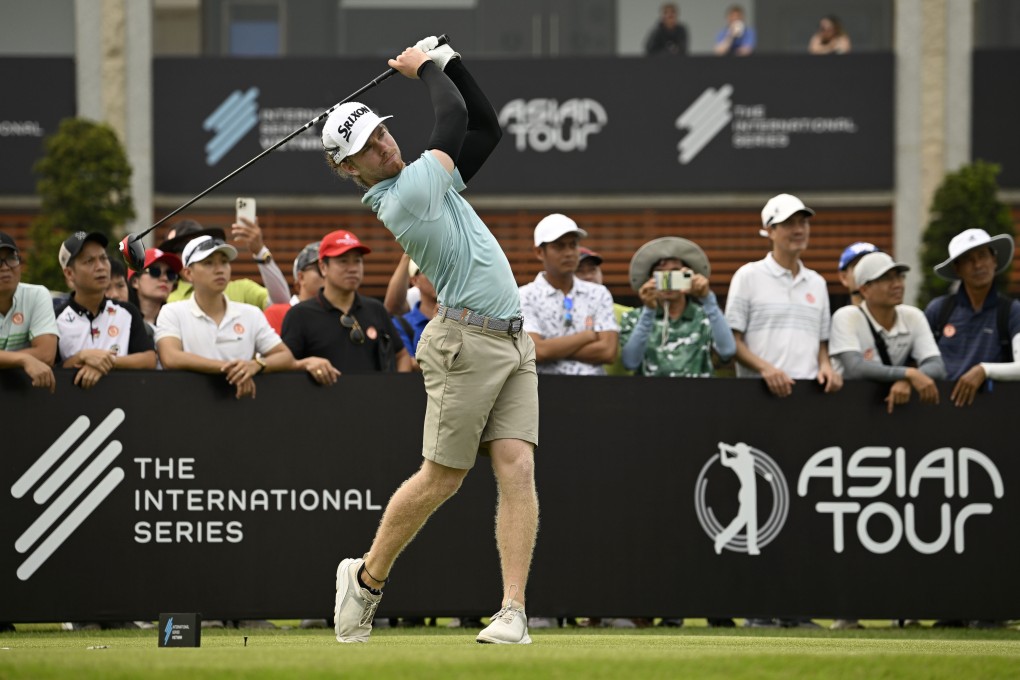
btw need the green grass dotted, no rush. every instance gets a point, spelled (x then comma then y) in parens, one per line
(40, 652)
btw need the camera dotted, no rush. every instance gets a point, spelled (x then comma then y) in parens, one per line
(674, 280)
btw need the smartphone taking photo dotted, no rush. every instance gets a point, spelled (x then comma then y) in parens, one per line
(245, 207)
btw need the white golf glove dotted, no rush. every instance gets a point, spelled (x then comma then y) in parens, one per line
(442, 55)
(426, 44)
(439, 54)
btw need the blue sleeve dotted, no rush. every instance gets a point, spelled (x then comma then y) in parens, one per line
(408, 342)
(722, 337)
(633, 352)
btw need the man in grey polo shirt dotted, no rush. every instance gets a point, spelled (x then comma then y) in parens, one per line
(478, 365)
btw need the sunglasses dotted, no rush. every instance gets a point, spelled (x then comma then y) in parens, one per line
(204, 246)
(568, 311)
(156, 272)
(357, 335)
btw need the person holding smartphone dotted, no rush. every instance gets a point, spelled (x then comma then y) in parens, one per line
(680, 324)
(246, 233)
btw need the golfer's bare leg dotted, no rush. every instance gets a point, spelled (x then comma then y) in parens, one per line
(408, 510)
(513, 462)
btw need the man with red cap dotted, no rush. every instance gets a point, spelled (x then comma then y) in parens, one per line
(352, 331)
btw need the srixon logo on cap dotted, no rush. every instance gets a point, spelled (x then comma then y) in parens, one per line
(345, 129)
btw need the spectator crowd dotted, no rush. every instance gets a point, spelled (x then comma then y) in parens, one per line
(184, 311)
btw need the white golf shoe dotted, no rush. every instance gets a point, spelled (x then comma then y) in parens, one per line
(508, 626)
(355, 604)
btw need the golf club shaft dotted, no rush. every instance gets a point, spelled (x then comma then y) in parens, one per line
(322, 116)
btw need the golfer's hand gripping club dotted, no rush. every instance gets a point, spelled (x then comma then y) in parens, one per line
(131, 247)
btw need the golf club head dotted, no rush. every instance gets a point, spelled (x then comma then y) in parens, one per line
(133, 251)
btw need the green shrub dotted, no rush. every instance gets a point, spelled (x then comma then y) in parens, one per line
(85, 185)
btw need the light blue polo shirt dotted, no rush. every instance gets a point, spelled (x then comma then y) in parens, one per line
(30, 316)
(441, 232)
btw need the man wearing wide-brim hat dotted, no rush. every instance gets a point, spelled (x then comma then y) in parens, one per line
(674, 332)
(977, 329)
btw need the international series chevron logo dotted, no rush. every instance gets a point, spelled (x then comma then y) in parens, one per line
(231, 121)
(704, 119)
(79, 494)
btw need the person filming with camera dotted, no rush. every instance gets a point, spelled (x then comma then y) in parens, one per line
(680, 324)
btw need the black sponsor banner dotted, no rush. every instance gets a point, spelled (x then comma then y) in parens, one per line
(39, 92)
(993, 126)
(660, 497)
(595, 125)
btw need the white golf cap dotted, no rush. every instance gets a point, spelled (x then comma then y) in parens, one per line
(348, 128)
(202, 247)
(1001, 245)
(874, 266)
(779, 209)
(551, 227)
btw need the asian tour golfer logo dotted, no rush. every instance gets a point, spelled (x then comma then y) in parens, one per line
(743, 533)
(231, 121)
(81, 490)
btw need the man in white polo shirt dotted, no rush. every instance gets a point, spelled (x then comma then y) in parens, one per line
(877, 340)
(209, 333)
(779, 309)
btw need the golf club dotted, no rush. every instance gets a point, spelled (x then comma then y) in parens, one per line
(131, 247)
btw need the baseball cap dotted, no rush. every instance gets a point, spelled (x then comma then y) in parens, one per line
(589, 254)
(338, 242)
(413, 269)
(202, 247)
(74, 243)
(779, 209)
(6, 241)
(854, 251)
(1001, 245)
(154, 255)
(308, 255)
(874, 265)
(185, 230)
(348, 128)
(551, 227)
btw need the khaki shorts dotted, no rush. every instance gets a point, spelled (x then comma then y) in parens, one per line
(481, 386)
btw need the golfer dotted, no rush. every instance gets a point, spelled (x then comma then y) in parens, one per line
(479, 367)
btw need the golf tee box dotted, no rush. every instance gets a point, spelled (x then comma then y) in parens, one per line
(180, 630)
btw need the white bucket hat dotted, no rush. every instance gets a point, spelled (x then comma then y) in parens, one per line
(1001, 245)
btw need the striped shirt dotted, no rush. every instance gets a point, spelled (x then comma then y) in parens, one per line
(784, 318)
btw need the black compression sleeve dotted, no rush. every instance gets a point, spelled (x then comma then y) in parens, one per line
(451, 112)
(483, 130)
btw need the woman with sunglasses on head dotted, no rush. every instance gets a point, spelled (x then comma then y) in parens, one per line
(149, 288)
